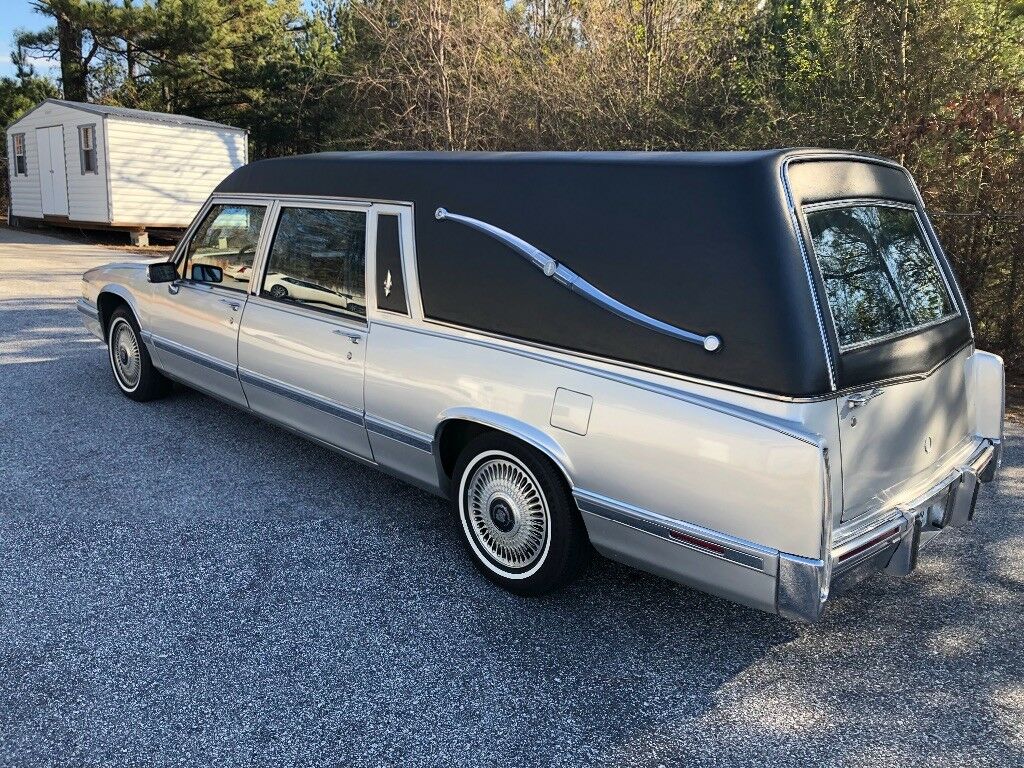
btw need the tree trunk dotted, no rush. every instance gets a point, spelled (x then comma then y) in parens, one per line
(72, 68)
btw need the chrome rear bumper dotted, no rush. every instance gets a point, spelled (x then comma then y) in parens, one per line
(888, 540)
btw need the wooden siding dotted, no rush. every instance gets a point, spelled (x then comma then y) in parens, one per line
(164, 173)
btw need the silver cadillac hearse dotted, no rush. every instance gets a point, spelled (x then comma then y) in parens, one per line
(753, 373)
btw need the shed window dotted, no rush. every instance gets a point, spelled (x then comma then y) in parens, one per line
(87, 148)
(881, 278)
(20, 163)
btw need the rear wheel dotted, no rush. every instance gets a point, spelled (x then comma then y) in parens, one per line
(520, 523)
(129, 359)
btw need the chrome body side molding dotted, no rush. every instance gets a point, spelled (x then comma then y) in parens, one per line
(703, 540)
(395, 431)
(87, 309)
(192, 355)
(576, 284)
(300, 396)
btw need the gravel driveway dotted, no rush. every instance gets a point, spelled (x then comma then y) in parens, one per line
(183, 584)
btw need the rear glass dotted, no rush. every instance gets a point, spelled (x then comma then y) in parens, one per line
(880, 275)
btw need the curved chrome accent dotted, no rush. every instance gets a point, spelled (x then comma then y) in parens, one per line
(569, 279)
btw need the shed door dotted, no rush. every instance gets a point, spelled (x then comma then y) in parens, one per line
(53, 173)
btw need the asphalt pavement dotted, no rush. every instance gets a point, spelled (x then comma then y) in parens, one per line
(183, 584)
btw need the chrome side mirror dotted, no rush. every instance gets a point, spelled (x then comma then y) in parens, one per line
(163, 272)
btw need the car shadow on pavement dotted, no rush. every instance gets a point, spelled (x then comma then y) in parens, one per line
(181, 579)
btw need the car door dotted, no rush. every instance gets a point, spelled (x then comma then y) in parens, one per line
(195, 318)
(302, 344)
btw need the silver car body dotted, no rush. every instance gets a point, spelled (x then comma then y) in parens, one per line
(732, 491)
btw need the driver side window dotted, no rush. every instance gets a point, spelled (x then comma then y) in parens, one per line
(222, 249)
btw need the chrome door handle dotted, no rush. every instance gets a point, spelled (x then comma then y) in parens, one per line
(231, 303)
(355, 338)
(862, 398)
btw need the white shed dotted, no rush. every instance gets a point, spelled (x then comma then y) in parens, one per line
(93, 165)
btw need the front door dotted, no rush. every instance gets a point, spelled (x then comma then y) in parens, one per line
(302, 346)
(196, 318)
(53, 173)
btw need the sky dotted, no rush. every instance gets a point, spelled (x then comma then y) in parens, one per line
(16, 14)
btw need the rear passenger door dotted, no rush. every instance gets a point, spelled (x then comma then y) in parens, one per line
(302, 343)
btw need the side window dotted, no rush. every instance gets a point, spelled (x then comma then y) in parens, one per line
(87, 148)
(318, 260)
(223, 246)
(20, 162)
(390, 282)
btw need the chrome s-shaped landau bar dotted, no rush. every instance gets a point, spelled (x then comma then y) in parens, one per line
(569, 279)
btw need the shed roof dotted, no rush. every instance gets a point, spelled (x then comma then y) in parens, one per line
(131, 114)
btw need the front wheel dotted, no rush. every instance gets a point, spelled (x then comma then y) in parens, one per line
(520, 523)
(129, 359)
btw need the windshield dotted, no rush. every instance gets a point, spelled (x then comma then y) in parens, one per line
(881, 278)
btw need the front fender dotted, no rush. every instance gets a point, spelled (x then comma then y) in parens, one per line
(129, 298)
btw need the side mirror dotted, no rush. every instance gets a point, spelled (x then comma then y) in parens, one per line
(164, 272)
(207, 273)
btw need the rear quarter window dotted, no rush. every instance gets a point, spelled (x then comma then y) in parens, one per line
(881, 277)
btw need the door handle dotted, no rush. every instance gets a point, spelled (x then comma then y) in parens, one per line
(231, 303)
(863, 398)
(355, 338)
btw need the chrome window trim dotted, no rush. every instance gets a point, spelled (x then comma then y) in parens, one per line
(363, 202)
(577, 284)
(856, 202)
(406, 236)
(737, 551)
(808, 270)
(267, 241)
(344, 321)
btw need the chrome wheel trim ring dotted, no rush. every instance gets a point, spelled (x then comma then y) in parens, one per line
(125, 355)
(496, 483)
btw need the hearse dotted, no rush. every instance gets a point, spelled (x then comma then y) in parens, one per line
(750, 372)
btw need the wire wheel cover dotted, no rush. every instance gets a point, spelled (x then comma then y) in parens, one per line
(125, 354)
(507, 514)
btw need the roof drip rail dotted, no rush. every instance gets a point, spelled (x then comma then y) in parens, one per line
(576, 284)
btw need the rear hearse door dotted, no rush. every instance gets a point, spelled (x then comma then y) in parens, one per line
(885, 286)
(302, 343)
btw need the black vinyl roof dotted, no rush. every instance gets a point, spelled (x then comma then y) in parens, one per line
(704, 241)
